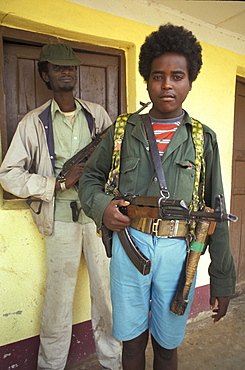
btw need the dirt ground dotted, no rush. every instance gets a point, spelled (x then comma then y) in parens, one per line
(207, 346)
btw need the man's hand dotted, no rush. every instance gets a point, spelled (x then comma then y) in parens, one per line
(113, 219)
(221, 309)
(73, 176)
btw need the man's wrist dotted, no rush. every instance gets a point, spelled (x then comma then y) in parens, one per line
(63, 186)
(62, 183)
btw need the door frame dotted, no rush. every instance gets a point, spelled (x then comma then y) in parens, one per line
(31, 38)
(236, 248)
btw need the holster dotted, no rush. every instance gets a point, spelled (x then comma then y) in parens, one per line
(75, 211)
(106, 235)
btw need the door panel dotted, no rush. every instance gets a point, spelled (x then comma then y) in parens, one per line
(237, 229)
(92, 84)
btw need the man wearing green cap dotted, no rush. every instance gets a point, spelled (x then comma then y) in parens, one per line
(44, 140)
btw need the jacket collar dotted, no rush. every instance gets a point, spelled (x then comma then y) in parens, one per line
(139, 133)
(179, 139)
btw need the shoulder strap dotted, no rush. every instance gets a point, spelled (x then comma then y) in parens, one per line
(90, 120)
(113, 178)
(155, 156)
(199, 184)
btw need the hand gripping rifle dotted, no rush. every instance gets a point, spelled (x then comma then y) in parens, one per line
(162, 208)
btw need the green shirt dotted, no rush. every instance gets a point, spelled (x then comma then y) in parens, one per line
(69, 138)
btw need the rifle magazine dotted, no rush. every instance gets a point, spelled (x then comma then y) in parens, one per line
(140, 261)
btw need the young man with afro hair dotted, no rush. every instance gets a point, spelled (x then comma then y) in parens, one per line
(169, 61)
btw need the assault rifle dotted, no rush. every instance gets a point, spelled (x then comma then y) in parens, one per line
(155, 207)
(167, 209)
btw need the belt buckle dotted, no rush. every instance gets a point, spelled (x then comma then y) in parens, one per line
(155, 225)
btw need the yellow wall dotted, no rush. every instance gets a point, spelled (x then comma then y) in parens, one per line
(22, 252)
(22, 276)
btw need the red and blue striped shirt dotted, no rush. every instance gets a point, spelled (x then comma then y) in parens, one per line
(164, 130)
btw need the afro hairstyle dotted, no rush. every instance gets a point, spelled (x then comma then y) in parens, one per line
(171, 39)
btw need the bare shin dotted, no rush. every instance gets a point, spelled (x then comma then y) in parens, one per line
(164, 359)
(133, 354)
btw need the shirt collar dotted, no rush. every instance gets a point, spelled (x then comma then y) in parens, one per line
(55, 108)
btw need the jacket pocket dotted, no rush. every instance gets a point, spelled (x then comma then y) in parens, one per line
(184, 180)
(129, 175)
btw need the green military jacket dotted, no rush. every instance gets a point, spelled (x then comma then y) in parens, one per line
(137, 176)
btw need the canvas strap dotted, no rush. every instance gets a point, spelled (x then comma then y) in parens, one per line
(113, 178)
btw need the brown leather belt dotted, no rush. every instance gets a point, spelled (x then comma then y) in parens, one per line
(161, 228)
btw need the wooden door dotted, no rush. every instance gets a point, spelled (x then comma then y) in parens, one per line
(237, 229)
(97, 82)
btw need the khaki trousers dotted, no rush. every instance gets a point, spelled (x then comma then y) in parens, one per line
(64, 249)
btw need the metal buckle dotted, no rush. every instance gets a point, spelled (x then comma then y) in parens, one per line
(155, 225)
(163, 192)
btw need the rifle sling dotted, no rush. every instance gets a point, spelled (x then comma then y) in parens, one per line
(140, 261)
(155, 153)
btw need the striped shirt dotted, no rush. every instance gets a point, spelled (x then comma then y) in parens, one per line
(164, 130)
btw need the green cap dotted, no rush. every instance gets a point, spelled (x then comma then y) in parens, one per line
(59, 54)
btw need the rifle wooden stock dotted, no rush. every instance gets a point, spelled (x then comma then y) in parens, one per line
(180, 300)
(140, 212)
(83, 154)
